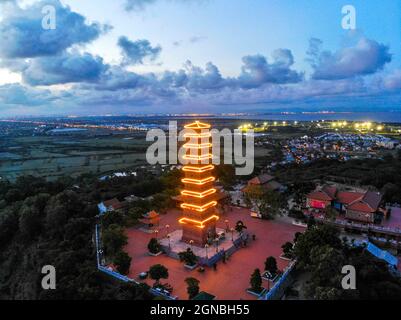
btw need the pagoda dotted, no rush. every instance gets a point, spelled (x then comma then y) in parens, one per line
(199, 195)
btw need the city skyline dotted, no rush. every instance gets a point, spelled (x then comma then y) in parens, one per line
(198, 56)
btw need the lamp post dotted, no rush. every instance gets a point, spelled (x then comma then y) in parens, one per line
(168, 228)
(227, 226)
(232, 234)
(156, 232)
(190, 243)
(206, 246)
(217, 245)
(169, 245)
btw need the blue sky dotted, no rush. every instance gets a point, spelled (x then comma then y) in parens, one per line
(140, 56)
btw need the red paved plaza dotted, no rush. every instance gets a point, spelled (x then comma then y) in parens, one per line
(230, 280)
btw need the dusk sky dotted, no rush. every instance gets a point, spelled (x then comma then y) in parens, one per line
(163, 56)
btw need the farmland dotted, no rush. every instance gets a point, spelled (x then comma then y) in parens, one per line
(55, 156)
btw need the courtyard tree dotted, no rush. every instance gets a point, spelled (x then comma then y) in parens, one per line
(240, 226)
(192, 286)
(154, 246)
(112, 217)
(256, 281)
(123, 262)
(288, 249)
(331, 213)
(114, 239)
(322, 235)
(157, 272)
(268, 203)
(254, 197)
(271, 265)
(188, 257)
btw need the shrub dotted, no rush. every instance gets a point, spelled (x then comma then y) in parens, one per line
(188, 257)
(193, 287)
(123, 262)
(271, 265)
(256, 281)
(154, 246)
(157, 272)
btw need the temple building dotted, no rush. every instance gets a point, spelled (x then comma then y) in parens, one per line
(150, 219)
(199, 194)
(359, 206)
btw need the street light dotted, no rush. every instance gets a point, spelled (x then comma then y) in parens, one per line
(217, 245)
(168, 228)
(168, 237)
(157, 232)
(232, 234)
(227, 226)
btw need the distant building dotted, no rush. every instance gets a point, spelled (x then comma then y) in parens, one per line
(111, 205)
(359, 206)
(267, 182)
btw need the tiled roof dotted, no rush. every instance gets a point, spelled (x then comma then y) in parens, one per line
(151, 214)
(114, 203)
(360, 206)
(261, 179)
(197, 125)
(330, 191)
(319, 195)
(358, 201)
(346, 197)
(373, 199)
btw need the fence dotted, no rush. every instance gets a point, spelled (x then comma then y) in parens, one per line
(99, 258)
(277, 291)
(116, 275)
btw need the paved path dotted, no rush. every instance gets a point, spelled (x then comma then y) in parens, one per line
(231, 279)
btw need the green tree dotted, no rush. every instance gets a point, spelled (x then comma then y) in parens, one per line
(157, 272)
(240, 226)
(288, 249)
(29, 222)
(331, 213)
(192, 287)
(114, 239)
(271, 265)
(154, 246)
(320, 236)
(188, 257)
(123, 262)
(256, 281)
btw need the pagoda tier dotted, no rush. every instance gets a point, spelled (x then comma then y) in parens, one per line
(199, 195)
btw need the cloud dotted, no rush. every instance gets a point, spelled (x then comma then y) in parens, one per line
(364, 58)
(22, 35)
(138, 5)
(135, 52)
(257, 71)
(63, 68)
(14, 94)
(196, 39)
(393, 80)
(194, 78)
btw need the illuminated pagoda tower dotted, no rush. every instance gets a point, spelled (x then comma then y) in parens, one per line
(199, 195)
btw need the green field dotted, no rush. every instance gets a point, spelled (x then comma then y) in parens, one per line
(55, 156)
